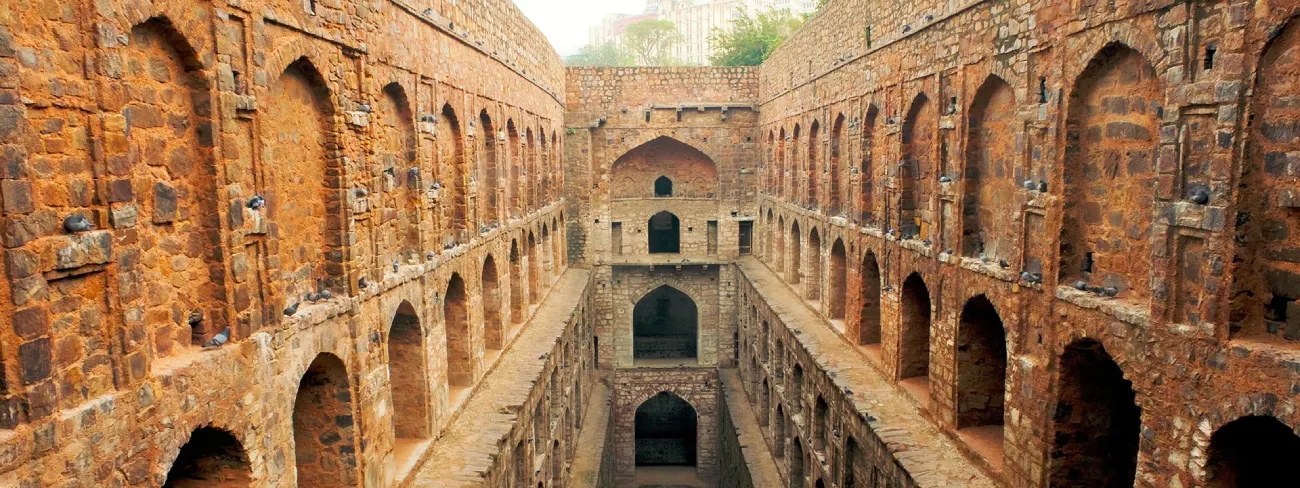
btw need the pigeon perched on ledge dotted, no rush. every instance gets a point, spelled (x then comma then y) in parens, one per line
(291, 309)
(219, 339)
(256, 202)
(77, 223)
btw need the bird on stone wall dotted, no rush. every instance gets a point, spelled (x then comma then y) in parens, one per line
(77, 223)
(291, 309)
(1201, 196)
(256, 202)
(363, 283)
(1029, 185)
(219, 339)
(1042, 186)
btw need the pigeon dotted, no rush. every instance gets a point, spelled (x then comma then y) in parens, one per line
(219, 339)
(945, 179)
(1029, 185)
(429, 255)
(947, 251)
(1042, 186)
(313, 297)
(1110, 291)
(437, 186)
(363, 283)
(1035, 277)
(362, 192)
(325, 295)
(396, 265)
(1096, 290)
(1004, 264)
(77, 223)
(256, 202)
(291, 309)
(926, 243)
(1201, 196)
(1024, 275)
(428, 12)
(195, 317)
(413, 173)
(929, 17)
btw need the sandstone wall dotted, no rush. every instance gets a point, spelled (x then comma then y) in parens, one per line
(633, 125)
(234, 160)
(1152, 138)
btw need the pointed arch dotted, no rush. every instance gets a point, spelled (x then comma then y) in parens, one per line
(869, 299)
(493, 328)
(665, 325)
(981, 365)
(1097, 423)
(324, 433)
(517, 280)
(666, 431)
(692, 172)
(408, 374)
(914, 346)
(796, 254)
(834, 193)
(451, 145)
(211, 456)
(534, 268)
(813, 285)
(490, 164)
(991, 173)
(664, 233)
(513, 190)
(866, 202)
(814, 164)
(837, 289)
(1114, 112)
(917, 170)
(456, 320)
(1252, 451)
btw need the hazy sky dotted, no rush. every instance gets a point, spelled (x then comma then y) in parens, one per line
(565, 22)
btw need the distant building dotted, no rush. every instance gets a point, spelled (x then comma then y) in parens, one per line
(695, 20)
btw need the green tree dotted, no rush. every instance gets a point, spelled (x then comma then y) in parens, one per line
(607, 54)
(651, 42)
(749, 40)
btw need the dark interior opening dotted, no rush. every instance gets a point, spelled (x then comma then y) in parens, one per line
(663, 187)
(212, 457)
(664, 325)
(1252, 452)
(665, 432)
(665, 233)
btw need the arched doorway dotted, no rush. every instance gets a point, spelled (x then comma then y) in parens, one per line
(212, 457)
(534, 288)
(517, 278)
(493, 337)
(1252, 452)
(796, 253)
(813, 286)
(665, 325)
(407, 376)
(869, 298)
(1096, 422)
(666, 432)
(324, 437)
(839, 280)
(455, 314)
(914, 340)
(981, 377)
(796, 464)
(665, 233)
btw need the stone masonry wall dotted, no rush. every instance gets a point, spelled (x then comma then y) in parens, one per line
(172, 169)
(628, 126)
(994, 158)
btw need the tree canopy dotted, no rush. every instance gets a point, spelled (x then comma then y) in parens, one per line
(607, 54)
(651, 42)
(749, 40)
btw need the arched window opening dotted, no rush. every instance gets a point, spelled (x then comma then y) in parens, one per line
(212, 457)
(1097, 424)
(324, 434)
(778, 433)
(665, 432)
(517, 314)
(665, 325)
(797, 479)
(1252, 452)
(991, 173)
(916, 174)
(663, 187)
(839, 280)
(821, 422)
(665, 233)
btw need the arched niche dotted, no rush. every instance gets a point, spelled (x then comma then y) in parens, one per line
(693, 174)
